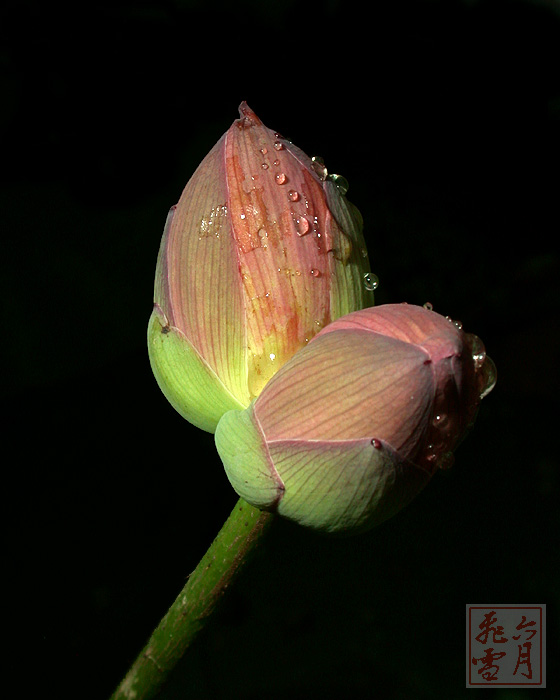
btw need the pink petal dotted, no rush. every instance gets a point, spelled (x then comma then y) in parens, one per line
(276, 208)
(347, 385)
(409, 323)
(198, 271)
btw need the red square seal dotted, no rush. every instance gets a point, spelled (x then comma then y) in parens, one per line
(506, 646)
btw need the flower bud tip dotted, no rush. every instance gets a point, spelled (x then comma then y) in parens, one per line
(247, 116)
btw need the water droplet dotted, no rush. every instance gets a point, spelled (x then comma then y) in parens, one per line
(315, 272)
(263, 233)
(440, 420)
(376, 443)
(318, 167)
(489, 376)
(211, 225)
(458, 325)
(272, 356)
(276, 162)
(478, 351)
(264, 166)
(293, 196)
(429, 306)
(278, 146)
(478, 359)
(281, 179)
(302, 226)
(264, 150)
(431, 456)
(341, 182)
(371, 281)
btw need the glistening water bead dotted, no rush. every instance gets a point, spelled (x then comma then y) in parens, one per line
(458, 325)
(440, 420)
(371, 281)
(318, 166)
(483, 365)
(478, 350)
(489, 376)
(340, 181)
(293, 196)
(302, 226)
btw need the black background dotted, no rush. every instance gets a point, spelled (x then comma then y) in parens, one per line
(444, 116)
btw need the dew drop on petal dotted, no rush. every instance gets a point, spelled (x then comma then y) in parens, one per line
(428, 306)
(479, 358)
(489, 377)
(376, 443)
(431, 456)
(302, 226)
(341, 182)
(278, 146)
(281, 178)
(293, 195)
(458, 325)
(315, 272)
(478, 351)
(264, 166)
(371, 281)
(440, 420)
(318, 167)
(264, 150)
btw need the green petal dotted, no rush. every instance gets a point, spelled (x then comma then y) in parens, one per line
(350, 262)
(198, 284)
(242, 449)
(343, 486)
(186, 380)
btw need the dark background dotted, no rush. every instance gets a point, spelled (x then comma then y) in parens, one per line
(444, 116)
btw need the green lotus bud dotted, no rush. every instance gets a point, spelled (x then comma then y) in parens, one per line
(261, 252)
(357, 422)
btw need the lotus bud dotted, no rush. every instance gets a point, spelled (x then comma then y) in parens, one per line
(261, 252)
(357, 422)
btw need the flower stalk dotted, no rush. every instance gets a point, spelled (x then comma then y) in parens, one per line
(193, 608)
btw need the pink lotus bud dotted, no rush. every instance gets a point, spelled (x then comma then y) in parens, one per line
(261, 252)
(356, 423)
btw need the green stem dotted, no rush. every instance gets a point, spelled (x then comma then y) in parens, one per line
(194, 606)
